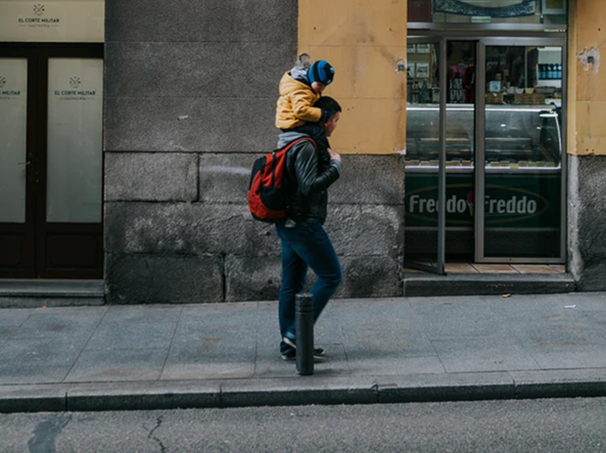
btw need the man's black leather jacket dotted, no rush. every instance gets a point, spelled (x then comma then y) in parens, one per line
(309, 173)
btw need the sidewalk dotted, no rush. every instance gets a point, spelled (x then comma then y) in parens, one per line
(378, 351)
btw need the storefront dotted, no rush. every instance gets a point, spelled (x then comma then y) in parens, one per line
(485, 167)
(128, 130)
(51, 98)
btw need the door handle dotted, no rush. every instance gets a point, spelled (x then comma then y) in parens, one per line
(29, 168)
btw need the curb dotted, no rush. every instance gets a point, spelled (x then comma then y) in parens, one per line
(430, 285)
(165, 395)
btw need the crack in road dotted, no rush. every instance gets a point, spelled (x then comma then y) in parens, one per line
(151, 434)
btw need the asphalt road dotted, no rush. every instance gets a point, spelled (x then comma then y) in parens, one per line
(564, 425)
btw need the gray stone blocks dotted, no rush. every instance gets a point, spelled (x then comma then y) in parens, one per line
(252, 278)
(151, 177)
(587, 217)
(180, 279)
(192, 20)
(224, 178)
(371, 276)
(374, 180)
(232, 256)
(189, 104)
(190, 124)
(367, 230)
(187, 228)
(200, 77)
(196, 69)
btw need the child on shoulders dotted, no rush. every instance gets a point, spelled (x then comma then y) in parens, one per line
(300, 88)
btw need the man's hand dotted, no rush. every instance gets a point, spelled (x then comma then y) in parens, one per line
(333, 155)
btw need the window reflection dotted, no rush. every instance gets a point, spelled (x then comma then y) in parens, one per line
(488, 11)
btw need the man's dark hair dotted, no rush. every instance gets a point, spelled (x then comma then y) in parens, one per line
(328, 103)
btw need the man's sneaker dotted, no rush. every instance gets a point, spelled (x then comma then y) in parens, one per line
(291, 356)
(292, 344)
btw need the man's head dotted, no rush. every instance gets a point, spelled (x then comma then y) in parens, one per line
(334, 110)
(320, 75)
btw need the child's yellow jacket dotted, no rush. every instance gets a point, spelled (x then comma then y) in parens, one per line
(294, 107)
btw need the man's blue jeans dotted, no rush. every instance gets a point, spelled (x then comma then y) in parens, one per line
(305, 246)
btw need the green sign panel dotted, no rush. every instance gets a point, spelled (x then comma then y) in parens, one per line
(516, 201)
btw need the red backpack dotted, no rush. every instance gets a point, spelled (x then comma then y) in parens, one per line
(267, 194)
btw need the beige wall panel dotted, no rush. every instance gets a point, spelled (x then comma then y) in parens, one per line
(363, 40)
(587, 94)
(352, 22)
(571, 146)
(324, 23)
(591, 132)
(363, 72)
(592, 23)
(370, 126)
(591, 85)
(592, 35)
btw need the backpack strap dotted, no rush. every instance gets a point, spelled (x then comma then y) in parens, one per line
(299, 140)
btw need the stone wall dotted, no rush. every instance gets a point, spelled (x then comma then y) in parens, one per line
(586, 145)
(586, 220)
(189, 105)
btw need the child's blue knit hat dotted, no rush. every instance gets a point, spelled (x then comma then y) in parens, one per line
(321, 71)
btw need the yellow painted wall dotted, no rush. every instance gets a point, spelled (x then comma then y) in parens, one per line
(363, 40)
(587, 86)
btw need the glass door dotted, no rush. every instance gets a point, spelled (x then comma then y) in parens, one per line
(519, 163)
(440, 156)
(51, 161)
(17, 142)
(70, 210)
(425, 176)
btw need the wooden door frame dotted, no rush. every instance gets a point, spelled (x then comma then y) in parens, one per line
(37, 229)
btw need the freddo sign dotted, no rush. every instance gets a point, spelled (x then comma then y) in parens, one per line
(515, 204)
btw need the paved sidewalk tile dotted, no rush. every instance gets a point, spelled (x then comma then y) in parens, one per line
(37, 360)
(138, 327)
(213, 342)
(105, 365)
(464, 355)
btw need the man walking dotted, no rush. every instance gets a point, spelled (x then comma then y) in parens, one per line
(309, 173)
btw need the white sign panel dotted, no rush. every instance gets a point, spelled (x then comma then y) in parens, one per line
(13, 122)
(52, 21)
(75, 157)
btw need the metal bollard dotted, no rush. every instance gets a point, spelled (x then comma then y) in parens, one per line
(304, 319)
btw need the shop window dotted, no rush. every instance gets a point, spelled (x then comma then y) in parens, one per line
(488, 11)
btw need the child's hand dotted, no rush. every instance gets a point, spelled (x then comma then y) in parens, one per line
(333, 155)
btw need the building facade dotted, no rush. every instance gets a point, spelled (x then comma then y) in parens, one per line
(133, 127)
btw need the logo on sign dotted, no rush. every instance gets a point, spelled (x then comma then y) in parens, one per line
(75, 92)
(5, 92)
(38, 10)
(75, 82)
(37, 20)
(502, 204)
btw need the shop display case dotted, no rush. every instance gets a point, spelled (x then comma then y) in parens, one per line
(518, 137)
(522, 182)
